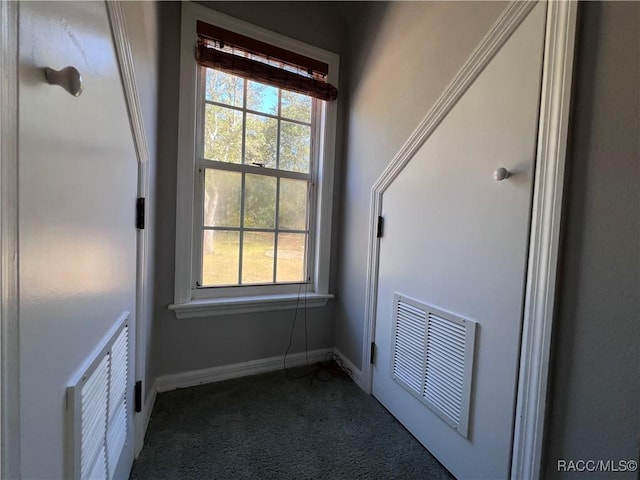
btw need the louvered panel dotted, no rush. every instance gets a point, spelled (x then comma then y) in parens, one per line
(408, 351)
(444, 375)
(99, 470)
(439, 359)
(117, 435)
(437, 376)
(98, 409)
(443, 396)
(446, 344)
(432, 356)
(117, 429)
(119, 370)
(445, 400)
(94, 416)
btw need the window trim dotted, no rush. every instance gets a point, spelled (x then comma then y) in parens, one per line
(188, 302)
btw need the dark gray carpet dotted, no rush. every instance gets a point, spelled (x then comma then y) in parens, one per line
(271, 426)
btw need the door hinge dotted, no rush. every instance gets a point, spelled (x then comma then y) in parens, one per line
(380, 229)
(138, 396)
(140, 213)
(372, 358)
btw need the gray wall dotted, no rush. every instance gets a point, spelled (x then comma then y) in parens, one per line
(594, 411)
(183, 345)
(401, 57)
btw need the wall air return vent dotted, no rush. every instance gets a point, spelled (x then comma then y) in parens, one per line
(432, 357)
(98, 407)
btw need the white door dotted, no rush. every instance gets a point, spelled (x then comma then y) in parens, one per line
(77, 236)
(455, 244)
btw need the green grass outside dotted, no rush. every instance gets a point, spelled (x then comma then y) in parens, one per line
(220, 267)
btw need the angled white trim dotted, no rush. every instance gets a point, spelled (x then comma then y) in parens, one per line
(501, 31)
(237, 370)
(544, 240)
(356, 373)
(127, 73)
(9, 286)
(547, 209)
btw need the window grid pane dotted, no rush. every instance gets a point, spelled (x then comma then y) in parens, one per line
(257, 233)
(222, 198)
(224, 88)
(261, 139)
(259, 201)
(258, 258)
(290, 265)
(220, 255)
(223, 127)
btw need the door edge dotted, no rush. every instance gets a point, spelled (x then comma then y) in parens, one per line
(9, 288)
(540, 293)
(124, 55)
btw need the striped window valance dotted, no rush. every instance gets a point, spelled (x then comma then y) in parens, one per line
(249, 58)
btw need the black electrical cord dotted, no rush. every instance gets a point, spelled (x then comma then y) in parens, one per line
(332, 366)
(293, 325)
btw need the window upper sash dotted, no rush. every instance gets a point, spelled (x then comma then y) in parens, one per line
(248, 58)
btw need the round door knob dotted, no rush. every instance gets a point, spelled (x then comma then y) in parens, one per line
(500, 174)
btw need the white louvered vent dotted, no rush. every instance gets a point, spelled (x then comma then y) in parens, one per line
(408, 354)
(432, 355)
(97, 407)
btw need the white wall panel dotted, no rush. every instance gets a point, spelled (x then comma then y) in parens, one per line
(77, 190)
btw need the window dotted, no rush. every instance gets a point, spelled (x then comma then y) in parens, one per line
(255, 167)
(255, 180)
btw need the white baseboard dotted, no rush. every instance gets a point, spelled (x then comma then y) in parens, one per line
(142, 419)
(226, 372)
(356, 373)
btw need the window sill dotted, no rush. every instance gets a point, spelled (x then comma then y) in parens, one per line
(263, 303)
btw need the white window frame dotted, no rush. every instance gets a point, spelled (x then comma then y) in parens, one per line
(189, 300)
